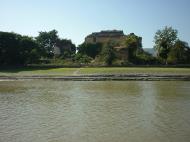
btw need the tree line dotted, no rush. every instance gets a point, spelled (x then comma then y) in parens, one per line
(16, 49)
(170, 49)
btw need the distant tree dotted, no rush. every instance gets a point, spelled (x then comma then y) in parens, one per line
(47, 41)
(179, 53)
(108, 53)
(145, 58)
(91, 50)
(134, 45)
(17, 50)
(9, 48)
(164, 41)
(29, 50)
(67, 48)
(82, 58)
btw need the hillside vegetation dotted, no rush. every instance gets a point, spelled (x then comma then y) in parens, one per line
(49, 49)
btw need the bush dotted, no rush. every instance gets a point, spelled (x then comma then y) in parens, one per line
(145, 59)
(18, 50)
(108, 53)
(82, 59)
(91, 50)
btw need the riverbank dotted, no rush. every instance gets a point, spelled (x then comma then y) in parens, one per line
(132, 77)
(97, 74)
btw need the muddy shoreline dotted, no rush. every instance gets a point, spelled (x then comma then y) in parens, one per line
(111, 77)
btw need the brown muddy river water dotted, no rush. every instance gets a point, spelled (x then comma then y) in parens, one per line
(106, 111)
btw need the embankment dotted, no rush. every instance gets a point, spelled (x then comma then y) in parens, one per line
(111, 77)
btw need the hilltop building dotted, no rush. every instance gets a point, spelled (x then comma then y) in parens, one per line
(105, 36)
(116, 36)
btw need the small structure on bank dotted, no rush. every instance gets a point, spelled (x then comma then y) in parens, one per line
(63, 47)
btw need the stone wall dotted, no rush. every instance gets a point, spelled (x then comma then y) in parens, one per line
(114, 36)
(105, 36)
(121, 52)
(93, 40)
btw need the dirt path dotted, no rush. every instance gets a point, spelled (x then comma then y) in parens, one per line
(75, 73)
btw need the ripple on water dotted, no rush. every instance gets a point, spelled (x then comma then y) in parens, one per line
(133, 111)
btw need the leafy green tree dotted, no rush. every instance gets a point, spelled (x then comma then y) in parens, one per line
(145, 58)
(67, 48)
(134, 45)
(91, 50)
(179, 54)
(17, 50)
(82, 58)
(47, 41)
(9, 48)
(164, 41)
(29, 50)
(108, 53)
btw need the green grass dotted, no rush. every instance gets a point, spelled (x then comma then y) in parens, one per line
(37, 71)
(84, 71)
(133, 70)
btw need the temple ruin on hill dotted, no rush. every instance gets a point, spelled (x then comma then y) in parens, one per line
(115, 36)
(105, 36)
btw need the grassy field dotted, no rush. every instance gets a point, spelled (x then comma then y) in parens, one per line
(92, 71)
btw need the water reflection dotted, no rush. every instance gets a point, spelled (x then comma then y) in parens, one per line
(134, 111)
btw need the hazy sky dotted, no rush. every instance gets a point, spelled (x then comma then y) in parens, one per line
(75, 19)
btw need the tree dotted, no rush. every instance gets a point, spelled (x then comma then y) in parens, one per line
(67, 48)
(30, 50)
(179, 54)
(82, 58)
(18, 50)
(47, 41)
(91, 50)
(134, 45)
(9, 48)
(164, 41)
(108, 53)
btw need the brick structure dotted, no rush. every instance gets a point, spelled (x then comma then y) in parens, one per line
(105, 36)
(116, 36)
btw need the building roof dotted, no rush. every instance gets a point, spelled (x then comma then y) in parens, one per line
(108, 33)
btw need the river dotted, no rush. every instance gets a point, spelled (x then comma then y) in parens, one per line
(105, 111)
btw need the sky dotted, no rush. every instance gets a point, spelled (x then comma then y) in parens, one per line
(75, 19)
